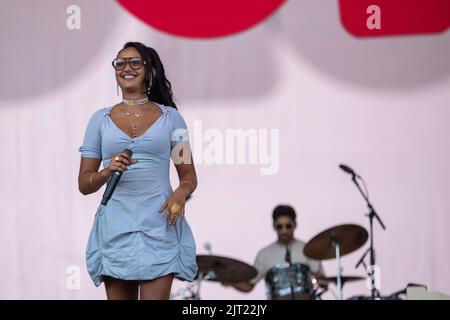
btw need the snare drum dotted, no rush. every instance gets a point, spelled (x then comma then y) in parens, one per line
(286, 281)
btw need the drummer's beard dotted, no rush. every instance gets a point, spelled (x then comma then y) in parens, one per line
(285, 238)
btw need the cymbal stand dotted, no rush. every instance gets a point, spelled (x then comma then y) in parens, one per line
(194, 288)
(338, 265)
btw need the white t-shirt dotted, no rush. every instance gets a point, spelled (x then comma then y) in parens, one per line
(275, 253)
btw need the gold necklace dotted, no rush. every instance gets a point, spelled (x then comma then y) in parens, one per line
(137, 115)
(135, 126)
(133, 102)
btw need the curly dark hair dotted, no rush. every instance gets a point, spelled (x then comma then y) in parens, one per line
(159, 88)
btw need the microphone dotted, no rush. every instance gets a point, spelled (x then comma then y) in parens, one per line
(348, 170)
(113, 182)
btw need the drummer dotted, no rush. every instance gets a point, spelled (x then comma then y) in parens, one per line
(286, 247)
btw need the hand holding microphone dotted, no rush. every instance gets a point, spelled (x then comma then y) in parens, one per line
(120, 161)
(116, 167)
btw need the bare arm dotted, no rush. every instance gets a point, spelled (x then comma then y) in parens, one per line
(188, 183)
(185, 168)
(89, 167)
(243, 286)
(90, 180)
(188, 178)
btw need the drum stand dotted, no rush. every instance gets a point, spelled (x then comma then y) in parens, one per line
(338, 265)
(313, 287)
(292, 289)
(194, 288)
(201, 277)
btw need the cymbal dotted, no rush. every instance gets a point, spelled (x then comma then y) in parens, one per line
(225, 269)
(326, 280)
(350, 237)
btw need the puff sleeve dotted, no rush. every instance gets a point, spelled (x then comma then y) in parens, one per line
(179, 132)
(92, 142)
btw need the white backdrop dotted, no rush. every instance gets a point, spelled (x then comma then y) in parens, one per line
(380, 105)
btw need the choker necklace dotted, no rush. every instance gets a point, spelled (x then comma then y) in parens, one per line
(132, 102)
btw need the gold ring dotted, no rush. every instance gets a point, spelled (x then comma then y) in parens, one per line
(116, 158)
(175, 209)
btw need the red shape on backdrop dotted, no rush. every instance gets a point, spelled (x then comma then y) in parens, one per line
(201, 18)
(396, 16)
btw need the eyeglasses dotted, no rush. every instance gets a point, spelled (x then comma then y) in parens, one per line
(280, 226)
(121, 63)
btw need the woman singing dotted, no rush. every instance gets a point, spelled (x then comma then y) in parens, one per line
(140, 240)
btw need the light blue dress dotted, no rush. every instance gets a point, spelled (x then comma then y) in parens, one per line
(130, 239)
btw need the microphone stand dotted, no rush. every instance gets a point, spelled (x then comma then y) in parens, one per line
(362, 260)
(287, 259)
(372, 214)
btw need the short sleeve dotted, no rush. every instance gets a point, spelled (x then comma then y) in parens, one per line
(260, 268)
(179, 133)
(91, 147)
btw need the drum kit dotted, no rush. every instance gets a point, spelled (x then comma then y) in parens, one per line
(287, 280)
(296, 280)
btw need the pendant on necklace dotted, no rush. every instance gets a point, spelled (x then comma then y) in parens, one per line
(137, 115)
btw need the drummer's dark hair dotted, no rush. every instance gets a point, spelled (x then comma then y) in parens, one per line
(283, 210)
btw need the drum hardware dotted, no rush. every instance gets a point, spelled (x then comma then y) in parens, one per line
(334, 243)
(224, 269)
(216, 268)
(192, 289)
(290, 281)
(394, 296)
(344, 279)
